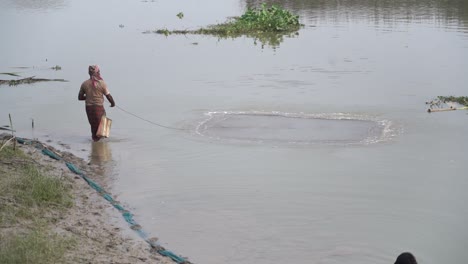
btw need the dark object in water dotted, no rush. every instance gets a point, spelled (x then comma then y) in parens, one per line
(28, 80)
(10, 73)
(7, 129)
(406, 258)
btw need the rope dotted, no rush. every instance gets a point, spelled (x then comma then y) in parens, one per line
(127, 215)
(151, 122)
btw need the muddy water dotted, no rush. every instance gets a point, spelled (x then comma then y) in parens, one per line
(343, 165)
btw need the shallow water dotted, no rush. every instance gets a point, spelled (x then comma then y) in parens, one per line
(293, 129)
(233, 188)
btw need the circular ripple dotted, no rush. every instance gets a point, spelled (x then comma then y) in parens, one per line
(292, 128)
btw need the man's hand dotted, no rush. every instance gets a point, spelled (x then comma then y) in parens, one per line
(111, 100)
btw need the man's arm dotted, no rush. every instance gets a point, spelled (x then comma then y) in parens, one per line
(106, 92)
(82, 95)
(111, 100)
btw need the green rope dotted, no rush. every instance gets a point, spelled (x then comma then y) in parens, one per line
(51, 154)
(23, 141)
(172, 256)
(73, 168)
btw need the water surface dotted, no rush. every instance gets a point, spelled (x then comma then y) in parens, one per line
(230, 192)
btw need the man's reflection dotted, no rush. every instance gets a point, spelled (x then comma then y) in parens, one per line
(101, 156)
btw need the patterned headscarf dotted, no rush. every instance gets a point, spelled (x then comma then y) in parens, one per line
(94, 74)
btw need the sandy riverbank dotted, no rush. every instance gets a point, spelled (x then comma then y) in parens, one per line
(96, 227)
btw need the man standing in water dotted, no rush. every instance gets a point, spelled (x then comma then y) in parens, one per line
(92, 91)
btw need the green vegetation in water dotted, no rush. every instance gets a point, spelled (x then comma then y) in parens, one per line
(180, 15)
(463, 100)
(29, 80)
(267, 24)
(10, 73)
(56, 67)
(165, 32)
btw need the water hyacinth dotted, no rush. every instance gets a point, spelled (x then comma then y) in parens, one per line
(463, 100)
(269, 19)
(267, 24)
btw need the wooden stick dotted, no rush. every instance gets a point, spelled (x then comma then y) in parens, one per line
(12, 133)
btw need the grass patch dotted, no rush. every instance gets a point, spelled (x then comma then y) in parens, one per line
(267, 24)
(36, 189)
(29, 205)
(25, 191)
(8, 153)
(35, 247)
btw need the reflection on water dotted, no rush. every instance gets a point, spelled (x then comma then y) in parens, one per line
(272, 39)
(101, 158)
(257, 203)
(380, 14)
(387, 12)
(100, 153)
(269, 39)
(38, 4)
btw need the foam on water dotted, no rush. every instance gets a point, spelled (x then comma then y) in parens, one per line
(295, 128)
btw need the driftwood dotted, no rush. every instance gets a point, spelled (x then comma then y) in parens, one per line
(28, 80)
(6, 129)
(10, 73)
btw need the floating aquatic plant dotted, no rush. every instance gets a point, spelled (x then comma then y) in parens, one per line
(180, 15)
(29, 80)
(165, 31)
(268, 19)
(267, 24)
(10, 73)
(463, 100)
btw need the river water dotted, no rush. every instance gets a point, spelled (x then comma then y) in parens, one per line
(317, 149)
